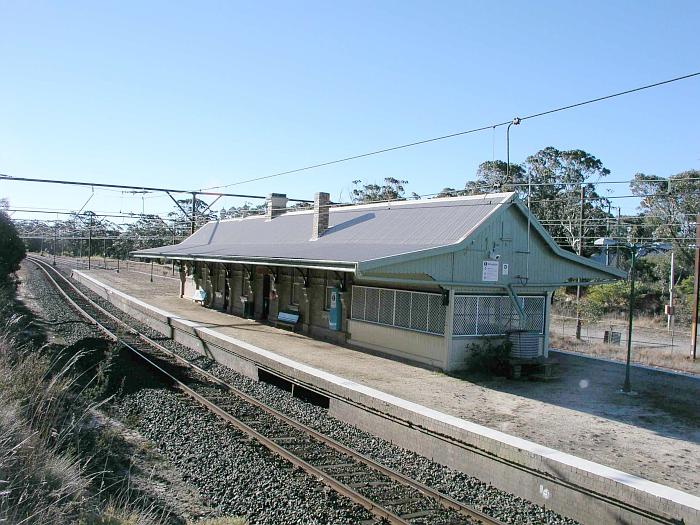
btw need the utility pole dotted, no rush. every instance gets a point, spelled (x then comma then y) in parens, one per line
(55, 231)
(515, 122)
(627, 387)
(696, 293)
(90, 243)
(580, 252)
(617, 233)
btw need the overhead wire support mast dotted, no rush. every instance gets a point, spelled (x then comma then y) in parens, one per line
(168, 191)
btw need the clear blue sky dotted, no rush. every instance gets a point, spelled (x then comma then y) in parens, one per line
(205, 93)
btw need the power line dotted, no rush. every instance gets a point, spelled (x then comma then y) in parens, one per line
(338, 207)
(459, 133)
(139, 188)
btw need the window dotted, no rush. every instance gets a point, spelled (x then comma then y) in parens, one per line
(327, 298)
(419, 311)
(296, 292)
(495, 314)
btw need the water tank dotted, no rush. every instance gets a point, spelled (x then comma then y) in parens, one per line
(525, 344)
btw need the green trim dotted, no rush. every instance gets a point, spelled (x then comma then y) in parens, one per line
(339, 266)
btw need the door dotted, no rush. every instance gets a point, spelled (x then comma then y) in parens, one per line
(227, 294)
(266, 296)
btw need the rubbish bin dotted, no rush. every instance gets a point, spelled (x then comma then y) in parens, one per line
(249, 309)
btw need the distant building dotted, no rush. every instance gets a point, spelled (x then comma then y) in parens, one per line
(422, 280)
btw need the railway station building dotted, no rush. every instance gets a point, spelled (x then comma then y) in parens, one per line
(420, 280)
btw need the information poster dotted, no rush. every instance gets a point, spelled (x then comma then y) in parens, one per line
(490, 271)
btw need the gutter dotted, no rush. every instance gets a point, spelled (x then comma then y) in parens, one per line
(337, 266)
(398, 280)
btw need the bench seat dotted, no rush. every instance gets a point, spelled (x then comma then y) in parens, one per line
(287, 319)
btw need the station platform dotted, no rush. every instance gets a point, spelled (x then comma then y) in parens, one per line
(650, 441)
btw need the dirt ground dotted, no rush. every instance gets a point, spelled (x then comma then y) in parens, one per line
(654, 434)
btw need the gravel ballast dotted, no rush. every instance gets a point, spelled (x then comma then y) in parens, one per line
(233, 475)
(504, 506)
(236, 475)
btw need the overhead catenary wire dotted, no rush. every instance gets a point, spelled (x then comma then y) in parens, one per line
(457, 134)
(338, 206)
(141, 189)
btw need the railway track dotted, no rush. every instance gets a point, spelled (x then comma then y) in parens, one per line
(389, 495)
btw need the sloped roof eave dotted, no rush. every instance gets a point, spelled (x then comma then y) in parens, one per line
(269, 261)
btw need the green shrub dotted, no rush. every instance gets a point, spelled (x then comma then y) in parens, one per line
(11, 247)
(490, 356)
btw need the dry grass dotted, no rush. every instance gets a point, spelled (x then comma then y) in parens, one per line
(654, 356)
(48, 471)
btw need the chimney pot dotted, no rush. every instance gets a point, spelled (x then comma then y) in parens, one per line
(276, 205)
(322, 203)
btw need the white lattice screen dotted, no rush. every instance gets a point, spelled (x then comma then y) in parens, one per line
(420, 311)
(495, 314)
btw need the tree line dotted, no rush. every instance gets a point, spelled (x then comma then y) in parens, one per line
(561, 187)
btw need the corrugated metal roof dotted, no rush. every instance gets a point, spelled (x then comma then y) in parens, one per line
(355, 233)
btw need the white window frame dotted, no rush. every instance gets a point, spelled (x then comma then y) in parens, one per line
(295, 291)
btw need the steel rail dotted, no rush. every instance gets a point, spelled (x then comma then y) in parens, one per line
(485, 520)
(267, 442)
(442, 499)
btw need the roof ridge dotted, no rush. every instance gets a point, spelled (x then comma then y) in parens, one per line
(504, 196)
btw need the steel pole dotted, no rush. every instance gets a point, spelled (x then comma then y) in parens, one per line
(514, 122)
(696, 294)
(670, 293)
(627, 387)
(90, 244)
(580, 253)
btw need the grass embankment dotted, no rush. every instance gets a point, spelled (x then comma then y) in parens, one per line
(58, 463)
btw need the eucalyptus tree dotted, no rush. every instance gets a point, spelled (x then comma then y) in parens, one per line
(553, 180)
(391, 189)
(669, 208)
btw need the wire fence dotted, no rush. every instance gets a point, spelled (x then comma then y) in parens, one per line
(614, 331)
(152, 269)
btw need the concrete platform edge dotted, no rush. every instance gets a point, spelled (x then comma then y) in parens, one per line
(581, 489)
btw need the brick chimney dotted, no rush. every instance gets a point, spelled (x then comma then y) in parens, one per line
(276, 205)
(321, 214)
